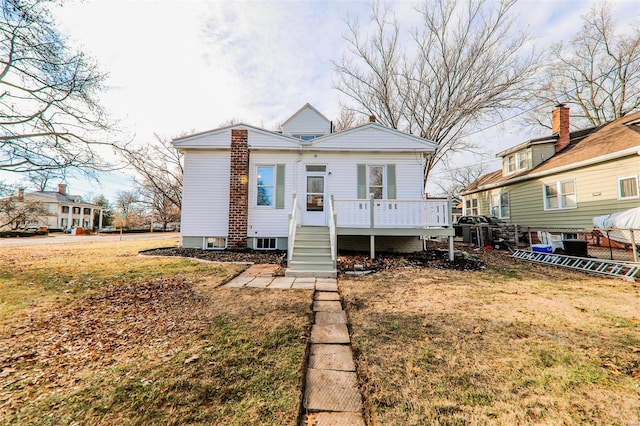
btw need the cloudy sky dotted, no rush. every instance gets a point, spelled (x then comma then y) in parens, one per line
(183, 66)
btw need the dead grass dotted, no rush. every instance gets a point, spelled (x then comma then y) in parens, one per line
(102, 336)
(515, 344)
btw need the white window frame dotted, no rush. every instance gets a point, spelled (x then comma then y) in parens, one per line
(561, 196)
(215, 243)
(499, 205)
(628, 197)
(270, 240)
(384, 180)
(306, 137)
(273, 186)
(509, 166)
(520, 156)
(472, 209)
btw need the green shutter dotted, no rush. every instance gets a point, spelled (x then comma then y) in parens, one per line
(280, 186)
(391, 181)
(362, 181)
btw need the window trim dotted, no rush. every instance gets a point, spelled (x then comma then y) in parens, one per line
(206, 247)
(500, 205)
(469, 211)
(384, 181)
(560, 195)
(273, 186)
(275, 243)
(630, 197)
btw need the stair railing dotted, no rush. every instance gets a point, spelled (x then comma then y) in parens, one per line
(332, 231)
(293, 226)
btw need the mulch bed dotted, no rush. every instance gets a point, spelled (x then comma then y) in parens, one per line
(347, 261)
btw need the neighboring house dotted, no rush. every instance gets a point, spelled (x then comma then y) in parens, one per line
(246, 186)
(61, 210)
(565, 179)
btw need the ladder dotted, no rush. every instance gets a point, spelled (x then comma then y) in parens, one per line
(626, 270)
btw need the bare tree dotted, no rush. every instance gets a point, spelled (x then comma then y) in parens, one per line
(130, 212)
(15, 210)
(40, 179)
(455, 178)
(597, 72)
(465, 64)
(348, 118)
(49, 116)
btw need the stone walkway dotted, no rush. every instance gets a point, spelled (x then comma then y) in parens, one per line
(331, 395)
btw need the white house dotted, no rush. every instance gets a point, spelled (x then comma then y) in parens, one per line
(62, 210)
(308, 190)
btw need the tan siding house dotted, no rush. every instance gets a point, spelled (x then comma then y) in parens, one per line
(566, 179)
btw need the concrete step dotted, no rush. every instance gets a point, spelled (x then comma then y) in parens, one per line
(310, 265)
(320, 252)
(323, 256)
(311, 273)
(313, 230)
(311, 238)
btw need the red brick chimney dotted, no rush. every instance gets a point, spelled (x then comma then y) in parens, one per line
(238, 189)
(372, 118)
(62, 189)
(20, 193)
(560, 126)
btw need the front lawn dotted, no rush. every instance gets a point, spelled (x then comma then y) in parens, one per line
(514, 344)
(99, 335)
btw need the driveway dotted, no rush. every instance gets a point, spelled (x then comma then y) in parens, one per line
(71, 239)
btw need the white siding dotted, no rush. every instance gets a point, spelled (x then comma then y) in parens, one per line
(307, 121)
(342, 177)
(259, 140)
(269, 221)
(205, 197)
(213, 140)
(372, 138)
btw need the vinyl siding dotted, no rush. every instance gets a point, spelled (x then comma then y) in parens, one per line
(259, 140)
(541, 153)
(307, 122)
(371, 139)
(596, 195)
(205, 196)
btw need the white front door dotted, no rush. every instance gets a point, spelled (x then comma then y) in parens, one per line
(315, 206)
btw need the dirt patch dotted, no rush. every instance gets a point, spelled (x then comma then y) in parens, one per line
(346, 262)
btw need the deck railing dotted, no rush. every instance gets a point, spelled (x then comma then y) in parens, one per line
(374, 213)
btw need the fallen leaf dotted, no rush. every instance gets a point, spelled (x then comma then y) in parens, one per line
(191, 359)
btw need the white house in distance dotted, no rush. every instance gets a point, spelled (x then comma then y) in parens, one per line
(62, 210)
(308, 190)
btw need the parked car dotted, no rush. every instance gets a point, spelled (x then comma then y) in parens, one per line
(492, 220)
(471, 220)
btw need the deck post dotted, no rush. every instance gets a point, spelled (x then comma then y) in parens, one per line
(371, 214)
(372, 246)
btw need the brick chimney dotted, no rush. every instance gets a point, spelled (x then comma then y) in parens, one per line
(372, 118)
(560, 126)
(20, 193)
(62, 189)
(238, 189)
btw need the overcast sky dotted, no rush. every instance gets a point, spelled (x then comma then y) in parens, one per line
(183, 66)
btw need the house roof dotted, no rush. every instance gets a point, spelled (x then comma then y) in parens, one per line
(618, 138)
(56, 197)
(339, 141)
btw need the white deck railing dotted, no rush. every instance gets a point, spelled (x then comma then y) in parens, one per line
(392, 213)
(294, 218)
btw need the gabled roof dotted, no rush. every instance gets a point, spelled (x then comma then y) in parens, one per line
(304, 107)
(588, 146)
(55, 197)
(218, 138)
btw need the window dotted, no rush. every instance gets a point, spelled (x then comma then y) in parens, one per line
(265, 244)
(521, 158)
(306, 137)
(87, 210)
(376, 181)
(65, 209)
(76, 210)
(215, 243)
(628, 187)
(511, 163)
(560, 195)
(266, 187)
(500, 205)
(471, 206)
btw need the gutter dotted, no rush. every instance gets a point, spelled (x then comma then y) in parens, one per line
(619, 154)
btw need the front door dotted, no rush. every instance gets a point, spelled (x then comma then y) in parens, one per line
(315, 200)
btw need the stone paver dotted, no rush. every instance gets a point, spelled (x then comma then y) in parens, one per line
(238, 281)
(338, 419)
(261, 270)
(326, 295)
(331, 317)
(330, 333)
(326, 284)
(281, 282)
(306, 280)
(331, 357)
(304, 285)
(326, 306)
(260, 282)
(330, 390)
